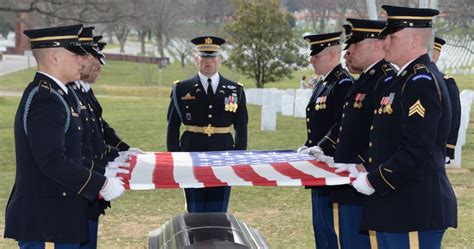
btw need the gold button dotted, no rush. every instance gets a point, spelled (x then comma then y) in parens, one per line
(307, 109)
(370, 144)
(340, 128)
(371, 127)
(343, 115)
(347, 103)
(337, 141)
(210, 106)
(64, 194)
(309, 141)
(370, 159)
(309, 130)
(307, 119)
(375, 111)
(187, 107)
(210, 115)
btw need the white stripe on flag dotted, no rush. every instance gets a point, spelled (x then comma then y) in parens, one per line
(142, 174)
(330, 178)
(227, 174)
(183, 171)
(268, 172)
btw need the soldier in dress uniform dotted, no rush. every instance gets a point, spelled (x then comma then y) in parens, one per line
(366, 51)
(94, 149)
(453, 91)
(208, 105)
(49, 201)
(350, 67)
(410, 202)
(323, 116)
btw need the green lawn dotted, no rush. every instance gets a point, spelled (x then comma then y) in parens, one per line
(281, 214)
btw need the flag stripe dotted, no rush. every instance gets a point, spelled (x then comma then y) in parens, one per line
(248, 174)
(227, 175)
(183, 171)
(268, 172)
(294, 173)
(207, 177)
(163, 175)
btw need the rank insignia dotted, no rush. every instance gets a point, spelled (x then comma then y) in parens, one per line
(188, 97)
(417, 108)
(358, 100)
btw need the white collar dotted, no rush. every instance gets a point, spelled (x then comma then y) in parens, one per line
(371, 66)
(405, 66)
(215, 78)
(84, 85)
(58, 82)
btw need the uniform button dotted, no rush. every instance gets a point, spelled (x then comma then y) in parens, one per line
(309, 141)
(371, 127)
(375, 111)
(309, 130)
(209, 116)
(187, 107)
(93, 120)
(347, 103)
(64, 194)
(210, 106)
(370, 144)
(307, 119)
(307, 109)
(343, 115)
(87, 119)
(79, 128)
(83, 158)
(337, 141)
(340, 128)
(370, 159)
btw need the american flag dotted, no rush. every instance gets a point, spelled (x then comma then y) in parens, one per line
(228, 168)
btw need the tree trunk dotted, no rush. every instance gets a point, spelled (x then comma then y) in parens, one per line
(122, 46)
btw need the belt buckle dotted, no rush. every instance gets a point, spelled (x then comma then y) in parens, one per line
(209, 130)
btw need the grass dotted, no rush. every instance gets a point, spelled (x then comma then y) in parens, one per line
(282, 214)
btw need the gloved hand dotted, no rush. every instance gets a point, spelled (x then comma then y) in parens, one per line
(347, 167)
(362, 185)
(301, 149)
(112, 189)
(122, 159)
(114, 168)
(447, 160)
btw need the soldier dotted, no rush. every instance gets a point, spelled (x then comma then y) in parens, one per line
(366, 52)
(49, 200)
(94, 149)
(350, 67)
(323, 115)
(410, 200)
(208, 105)
(453, 91)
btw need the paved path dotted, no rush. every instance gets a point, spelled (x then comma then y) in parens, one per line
(13, 63)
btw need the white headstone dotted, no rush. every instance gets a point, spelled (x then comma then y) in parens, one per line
(276, 101)
(268, 121)
(258, 96)
(287, 105)
(250, 95)
(466, 98)
(267, 97)
(290, 92)
(300, 107)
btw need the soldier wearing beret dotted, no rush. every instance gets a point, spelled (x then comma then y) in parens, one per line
(410, 201)
(49, 201)
(365, 49)
(209, 105)
(453, 91)
(323, 116)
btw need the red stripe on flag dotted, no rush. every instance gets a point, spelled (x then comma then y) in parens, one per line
(306, 179)
(324, 166)
(205, 174)
(248, 174)
(126, 177)
(163, 176)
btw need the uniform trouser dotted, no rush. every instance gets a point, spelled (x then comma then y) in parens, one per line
(350, 235)
(412, 240)
(93, 230)
(46, 245)
(323, 225)
(207, 200)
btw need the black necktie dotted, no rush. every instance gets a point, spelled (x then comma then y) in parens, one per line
(210, 92)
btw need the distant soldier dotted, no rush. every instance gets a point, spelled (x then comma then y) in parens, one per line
(208, 105)
(453, 91)
(323, 116)
(410, 201)
(49, 201)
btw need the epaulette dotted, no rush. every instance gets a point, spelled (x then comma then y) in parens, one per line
(45, 84)
(421, 68)
(447, 77)
(387, 68)
(176, 81)
(339, 73)
(240, 84)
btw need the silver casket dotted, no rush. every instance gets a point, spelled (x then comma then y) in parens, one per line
(205, 230)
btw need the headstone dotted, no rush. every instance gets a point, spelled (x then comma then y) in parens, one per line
(268, 121)
(258, 96)
(277, 98)
(250, 95)
(267, 97)
(290, 92)
(300, 107)
(466, 97)
(287, 105)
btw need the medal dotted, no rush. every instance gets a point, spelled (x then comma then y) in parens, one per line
(235, 107)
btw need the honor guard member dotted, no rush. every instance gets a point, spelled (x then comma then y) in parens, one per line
(453, 91)
(208, 105)
(350, 67)
(49, 200)
(323, 116)
(410, 201)
(94, 150)
(366, 51)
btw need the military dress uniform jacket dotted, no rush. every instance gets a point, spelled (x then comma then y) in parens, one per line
(52, 188)
(324, 109)
(406, 168)
(95, 153)
(109, 134)
(191, 106)
(356, 119)
(453, 91)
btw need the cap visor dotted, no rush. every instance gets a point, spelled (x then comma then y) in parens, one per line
(316, 51)
(389, 30)
(354, 39)
(77, 50)
(208, 54)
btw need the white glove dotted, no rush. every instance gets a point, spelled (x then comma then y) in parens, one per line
(112, 189)
(114, 168)
(301, 149)
(315, 151)
(122, 159)
(361, 184)
(447, 160)
(346, 167)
